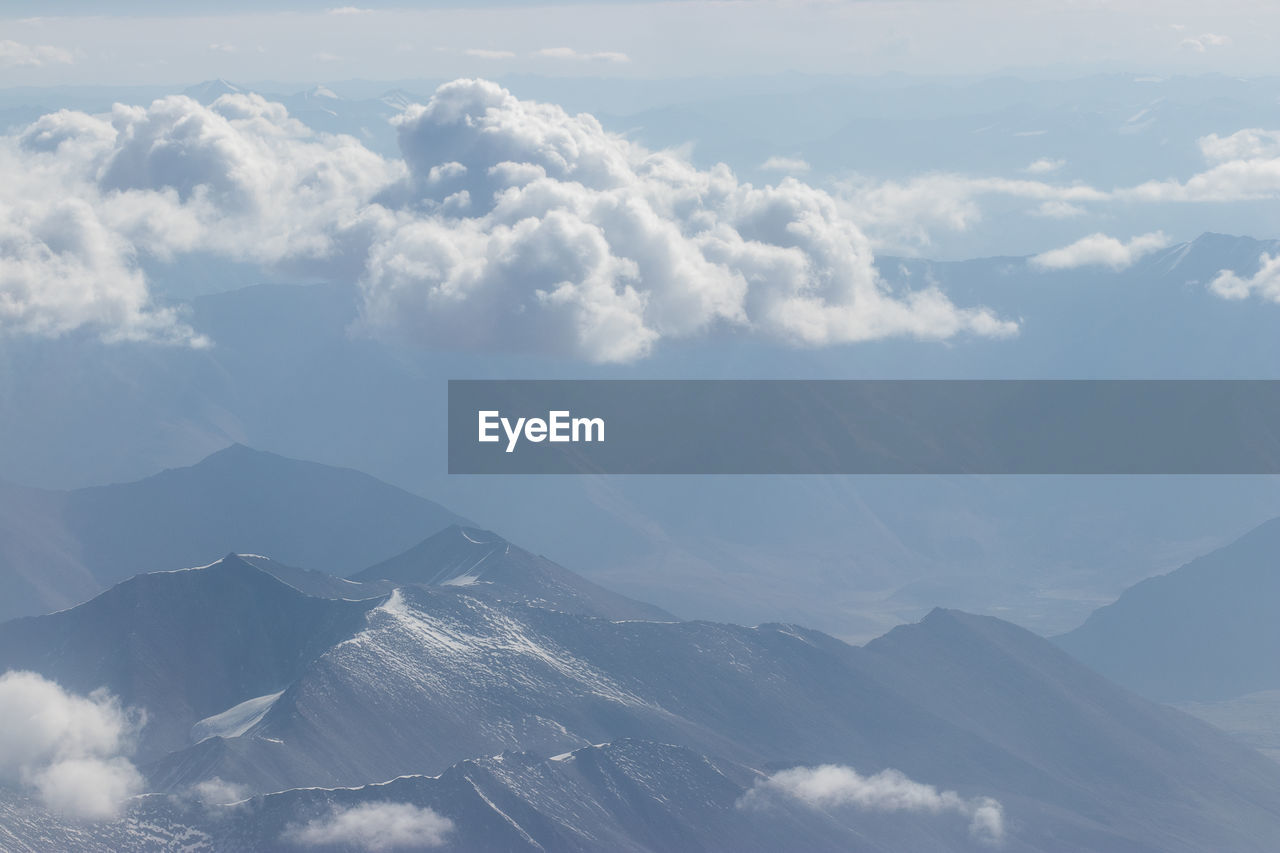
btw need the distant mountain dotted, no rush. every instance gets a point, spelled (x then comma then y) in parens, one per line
(851, 556)
(210, 90)
(297, 691)
(1206, 631)
(58, 548)
(492, 566)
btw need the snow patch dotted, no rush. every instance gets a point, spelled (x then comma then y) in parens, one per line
(236, 720)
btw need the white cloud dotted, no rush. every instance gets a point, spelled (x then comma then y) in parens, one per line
(218, 792)
(375, 827)
(71, 750)
(1245, 166)
(1101, 250)
(89, 196)
(1059, 210)
(522, 227)
(833, 786)
(902, 215)
(578, 56)
(219, 47)
(1265, 282)
(1044, 166)
(17, 55)
(349, 10)
(791, 165)
(1204, 41)
(482, 53)
(1249, 144)
(507, 225)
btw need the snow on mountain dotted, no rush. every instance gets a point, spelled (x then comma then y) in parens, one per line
(468, 556)
(415, 682)
(628, 795)
(183, 645)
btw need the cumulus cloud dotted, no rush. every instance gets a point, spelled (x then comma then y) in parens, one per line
(791, 165)
(17, 55)
(1044, 166)
(580, 56)
(521, 227)
(1101, 250)
(507, 224)
(1265, 282)
(834, 786)
(70, 750)
(1244, 166)
(89, 196)
(375, 827)
(1248, 144)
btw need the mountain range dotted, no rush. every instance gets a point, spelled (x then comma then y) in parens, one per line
(522, 719)
(58, 548)
(851, 556)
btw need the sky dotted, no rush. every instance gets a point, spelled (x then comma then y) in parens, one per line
(72, 42)
(505, 221)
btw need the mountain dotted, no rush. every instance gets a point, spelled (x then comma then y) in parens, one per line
(182, 645)
(851, 556)
(210, 90)
(298, 692)
(628, 795)
(58, 548)
(1206, 631)
(489, 564)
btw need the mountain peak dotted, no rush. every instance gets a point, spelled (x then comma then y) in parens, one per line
(484, 562)
(210, 90)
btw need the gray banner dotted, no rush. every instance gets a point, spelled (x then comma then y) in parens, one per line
(864, 427)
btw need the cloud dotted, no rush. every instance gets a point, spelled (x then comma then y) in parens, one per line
(1249, 144)
(218, 47)
(576, 56)
(834, 786)
(375, 827)
(791, 165)
(507, 224)
(91, 197)
(1101, 250)
(902, 215)
(482, 53)
(1204, 41)
(1265, 282)
(70, 750)
(521, 227)
(1059, 210)
(349, 10)
(17, 55)
(1244, 166)
(218, 792)
(1044, 166)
